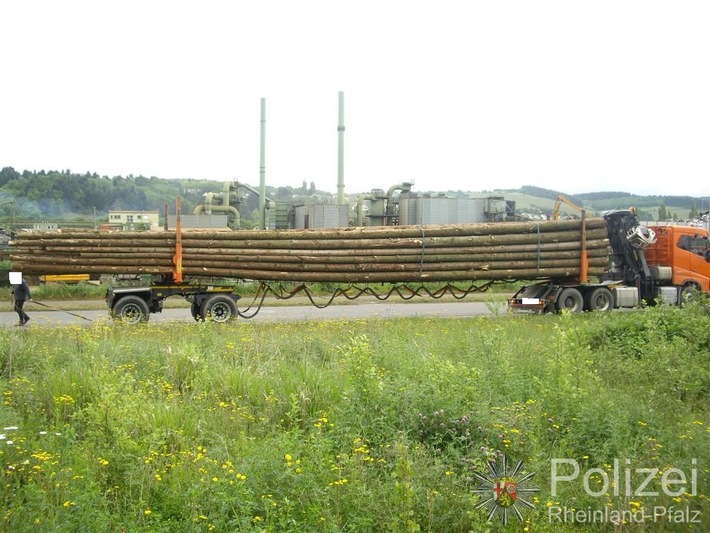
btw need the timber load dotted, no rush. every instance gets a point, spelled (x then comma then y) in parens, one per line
(486, 251)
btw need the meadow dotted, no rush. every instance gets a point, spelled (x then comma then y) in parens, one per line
(357, 426)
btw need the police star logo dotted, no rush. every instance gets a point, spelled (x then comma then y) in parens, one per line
(503, 492)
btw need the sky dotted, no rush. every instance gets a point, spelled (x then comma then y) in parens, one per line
(450, 95)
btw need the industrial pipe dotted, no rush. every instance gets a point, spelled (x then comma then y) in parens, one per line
(359, 205)
(389, 208)
(221, 209)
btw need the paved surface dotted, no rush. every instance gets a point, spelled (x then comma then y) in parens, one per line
(281, 313)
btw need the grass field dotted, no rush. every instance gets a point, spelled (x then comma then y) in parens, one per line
(373, 425)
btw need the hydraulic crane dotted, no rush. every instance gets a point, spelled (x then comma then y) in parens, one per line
(561, 199)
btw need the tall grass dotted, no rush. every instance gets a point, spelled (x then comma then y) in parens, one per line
(368, 425)
(62, 291)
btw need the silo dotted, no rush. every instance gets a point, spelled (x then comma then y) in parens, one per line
(408, 209)
(320, 216)
(415, 209)
(438, 210)
(329, 216)
(479, 209)
(300, 216)
(467, 211)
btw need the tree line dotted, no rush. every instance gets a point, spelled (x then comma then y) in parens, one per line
(56, 194)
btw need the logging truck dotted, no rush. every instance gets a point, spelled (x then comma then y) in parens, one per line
(594, 264)
(647, 264)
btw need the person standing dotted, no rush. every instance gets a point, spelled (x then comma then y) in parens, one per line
(20, 294)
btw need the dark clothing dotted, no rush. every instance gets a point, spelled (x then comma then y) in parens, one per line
(21, 293)
(20, 312)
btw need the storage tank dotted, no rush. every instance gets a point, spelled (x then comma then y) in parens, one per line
(416, 209)
(200, 221)
(321, 216)
(408, 209)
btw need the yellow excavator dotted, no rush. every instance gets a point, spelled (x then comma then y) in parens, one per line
(561, 199)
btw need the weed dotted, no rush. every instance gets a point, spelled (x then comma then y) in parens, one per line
(365, 425)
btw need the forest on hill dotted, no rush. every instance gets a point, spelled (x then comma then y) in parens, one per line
(64, 195)
(613, 199)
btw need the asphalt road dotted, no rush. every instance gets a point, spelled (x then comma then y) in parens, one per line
(280, 313)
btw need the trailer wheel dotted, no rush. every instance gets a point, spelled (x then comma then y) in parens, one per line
(599, 299)
(571, 300)
(219, 308)
(195, 310)
(131, 310)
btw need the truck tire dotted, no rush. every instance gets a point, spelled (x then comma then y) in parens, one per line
(688, 292)
(131, 310)
(219, 307)
(599, 299)
(570, 299)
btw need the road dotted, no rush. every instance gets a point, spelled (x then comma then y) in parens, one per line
(280, 313)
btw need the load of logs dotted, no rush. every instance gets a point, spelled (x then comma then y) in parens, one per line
(487, 251)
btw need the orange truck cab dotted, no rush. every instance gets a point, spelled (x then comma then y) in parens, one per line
(681, 255)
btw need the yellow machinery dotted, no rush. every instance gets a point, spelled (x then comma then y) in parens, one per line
(564, 200)
(65, 278)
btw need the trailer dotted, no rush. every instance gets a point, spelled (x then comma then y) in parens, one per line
(134, 305)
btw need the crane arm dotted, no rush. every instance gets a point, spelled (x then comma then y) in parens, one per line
(561, 199)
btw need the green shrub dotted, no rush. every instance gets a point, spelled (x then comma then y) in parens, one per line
(363, 425)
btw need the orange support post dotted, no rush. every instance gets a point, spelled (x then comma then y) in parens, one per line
(584, 263)
(177, 258)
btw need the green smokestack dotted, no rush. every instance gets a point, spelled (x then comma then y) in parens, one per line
(341, 148)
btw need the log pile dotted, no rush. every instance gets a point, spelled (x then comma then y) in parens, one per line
(490, 251)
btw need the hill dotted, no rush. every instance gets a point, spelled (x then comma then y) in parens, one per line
(538, 200)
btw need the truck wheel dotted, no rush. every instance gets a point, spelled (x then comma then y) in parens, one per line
(131, 310)
(219, 308)
(195, 310)
(571, 300)
(599, 299)
(688, 292)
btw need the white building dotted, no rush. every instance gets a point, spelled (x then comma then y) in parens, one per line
(135, 220)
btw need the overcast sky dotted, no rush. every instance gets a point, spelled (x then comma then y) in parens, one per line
(567, 95)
